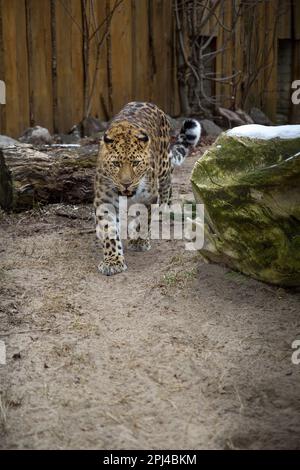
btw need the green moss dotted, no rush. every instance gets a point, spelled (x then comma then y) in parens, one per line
(251, 193)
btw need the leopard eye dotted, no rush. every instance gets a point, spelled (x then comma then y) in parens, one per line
(136, 162)
(116, 163)
(143, 137)
(107, 140)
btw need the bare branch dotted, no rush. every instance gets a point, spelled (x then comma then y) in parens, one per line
(70, 15)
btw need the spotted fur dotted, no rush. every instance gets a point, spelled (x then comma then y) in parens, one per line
(135, 160)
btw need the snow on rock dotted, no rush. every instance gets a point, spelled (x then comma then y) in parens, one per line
(257, 131)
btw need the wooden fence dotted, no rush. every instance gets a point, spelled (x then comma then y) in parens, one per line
(42, 61)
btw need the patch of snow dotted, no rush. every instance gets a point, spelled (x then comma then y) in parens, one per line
(257, 131)
(62, 145)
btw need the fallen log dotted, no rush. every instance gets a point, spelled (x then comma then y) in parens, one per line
(30, 177)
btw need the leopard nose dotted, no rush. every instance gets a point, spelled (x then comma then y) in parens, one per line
(126, 185)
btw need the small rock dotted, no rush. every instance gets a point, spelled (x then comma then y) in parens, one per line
(36, 135)
(209, 128)
(259, 117)
(244, 116)
(6, 141)
(231, 118)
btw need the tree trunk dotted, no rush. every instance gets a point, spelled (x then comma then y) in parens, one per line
(29, 177)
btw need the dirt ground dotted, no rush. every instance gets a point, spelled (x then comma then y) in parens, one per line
(174, 353)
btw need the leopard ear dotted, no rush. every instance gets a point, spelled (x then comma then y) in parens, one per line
(143, 137)
(107, 139)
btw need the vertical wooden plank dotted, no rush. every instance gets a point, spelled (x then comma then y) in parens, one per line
(261, 59)
(271, 49)
(39, 54)
(284, 20)
(121, 55)
(109, 65)
(10, 66)
(296, 19)
(98, 69)
(251, 40)
(140, 51)
(294, 116)
(238, 57)
(227, 55)
(161, 11)
(151, 57)
(134, 41)
(76, 63)
(168, 17)
(175, 104)
(295, 108)
(219, 57)
(15, 66)
(22, 120)
(155, 21)
(64, 24)
(69, 66)
(2, 72)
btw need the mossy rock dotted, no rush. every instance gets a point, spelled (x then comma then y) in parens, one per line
(251, 192)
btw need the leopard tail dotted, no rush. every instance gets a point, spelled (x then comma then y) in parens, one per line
(188, 138)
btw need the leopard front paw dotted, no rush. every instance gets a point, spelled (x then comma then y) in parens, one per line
(139, 245)
(110, 267)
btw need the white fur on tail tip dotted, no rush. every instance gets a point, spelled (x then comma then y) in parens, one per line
(192, 131)
(188, 138)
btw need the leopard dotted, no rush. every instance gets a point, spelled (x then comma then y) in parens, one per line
(135, 161)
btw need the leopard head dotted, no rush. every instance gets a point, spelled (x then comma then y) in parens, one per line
(125, 156)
